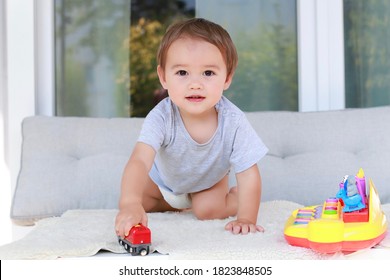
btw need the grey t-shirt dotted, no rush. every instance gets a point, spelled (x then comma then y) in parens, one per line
(184, 166)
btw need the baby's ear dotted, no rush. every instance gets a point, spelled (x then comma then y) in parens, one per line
(161, 76)
(228, 81)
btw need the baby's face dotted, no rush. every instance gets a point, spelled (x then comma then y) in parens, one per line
(194, 75)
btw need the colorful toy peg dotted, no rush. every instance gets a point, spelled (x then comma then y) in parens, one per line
(361, 185)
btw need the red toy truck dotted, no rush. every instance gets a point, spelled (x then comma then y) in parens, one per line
(138, 241)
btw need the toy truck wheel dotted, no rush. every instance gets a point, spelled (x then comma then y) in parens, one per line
(143, 252)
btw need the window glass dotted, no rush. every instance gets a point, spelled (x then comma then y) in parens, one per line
(265, 35)
(89, 55)
(106, 53)
(149, 20)
(367, 52)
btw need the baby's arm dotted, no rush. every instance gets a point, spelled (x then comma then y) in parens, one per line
(249, 194)
(134, 181)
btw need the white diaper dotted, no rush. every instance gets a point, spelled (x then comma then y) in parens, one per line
(181, 201)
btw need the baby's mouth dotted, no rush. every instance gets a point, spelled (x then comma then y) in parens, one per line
(195, 98)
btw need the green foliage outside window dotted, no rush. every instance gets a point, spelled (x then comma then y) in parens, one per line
(367, 52)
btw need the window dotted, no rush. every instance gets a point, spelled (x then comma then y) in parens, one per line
(367, 52)
(105, 53)
(89, 57)
(266, 39)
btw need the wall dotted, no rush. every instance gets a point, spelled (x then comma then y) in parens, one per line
(17, 94)
(5, 187)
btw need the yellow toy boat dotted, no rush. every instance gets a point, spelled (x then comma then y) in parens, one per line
(339, 224)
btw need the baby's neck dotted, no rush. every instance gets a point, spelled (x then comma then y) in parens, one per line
(201, 128)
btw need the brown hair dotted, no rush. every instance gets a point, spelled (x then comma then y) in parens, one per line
(203, 29)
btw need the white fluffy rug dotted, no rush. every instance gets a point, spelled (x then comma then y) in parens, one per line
(85, 232)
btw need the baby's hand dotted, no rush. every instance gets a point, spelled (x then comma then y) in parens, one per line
(129, 217)
(243, 227)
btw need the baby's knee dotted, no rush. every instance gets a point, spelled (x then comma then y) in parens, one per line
(208, 212)
(202, 213)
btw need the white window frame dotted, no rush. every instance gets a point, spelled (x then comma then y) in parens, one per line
(321, 79)
(45, 57)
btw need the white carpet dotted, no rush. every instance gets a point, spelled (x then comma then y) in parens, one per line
(85, 232)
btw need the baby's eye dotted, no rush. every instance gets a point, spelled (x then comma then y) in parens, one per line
(181, 72)
(208, 73)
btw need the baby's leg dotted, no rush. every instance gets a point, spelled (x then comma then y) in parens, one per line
(153, 200)
(215, 203)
